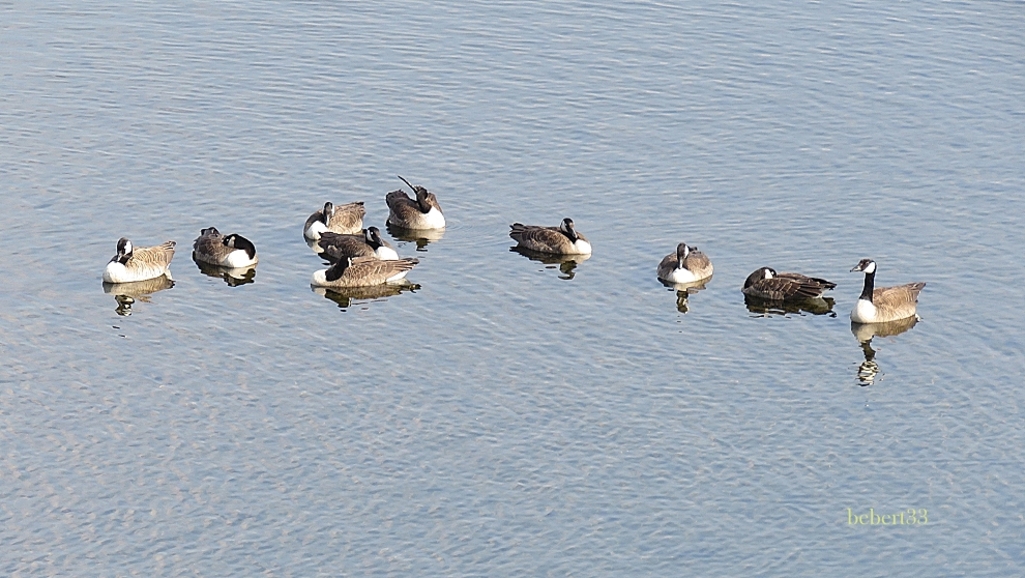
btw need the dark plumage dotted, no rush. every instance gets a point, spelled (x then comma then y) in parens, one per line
(366, 244)
(422, 212)
(765, 283)
(561, 240)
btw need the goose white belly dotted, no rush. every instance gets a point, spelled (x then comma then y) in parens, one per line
(116, 272)
(319, 278)
(681, 275)
(864, 312)
(314, 230)
(433, 219)
(396, 277)
(386, 253)
(581, 247)
(238, 258)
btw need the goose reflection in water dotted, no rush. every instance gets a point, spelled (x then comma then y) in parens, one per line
(233, 277)
(422, 237)
(126, 294)
(684, 291)
(768, 307)
(566, 264)
(868, 370)
(347, 297)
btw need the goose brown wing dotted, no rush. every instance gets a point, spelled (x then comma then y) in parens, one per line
(535, 238)
(697, 261)
(400, 204)
(667, 264)
(337, 246)
(348, 217)
(210, 247)
(805, 279)
(898, 294)
(160, 255)
(377, 271)
(783, 288)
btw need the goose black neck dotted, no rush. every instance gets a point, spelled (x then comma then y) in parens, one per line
(870, 283)
(336, 271)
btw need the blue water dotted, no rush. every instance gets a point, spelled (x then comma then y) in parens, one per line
(501, 419)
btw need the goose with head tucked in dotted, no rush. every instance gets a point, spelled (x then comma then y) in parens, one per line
(345, 219)
(561, 240)
(363, 272)
(367, 244)
(766, 284)
(884, 304)
(232, 251)
(686, 265)
(133, 263)
(421, 212)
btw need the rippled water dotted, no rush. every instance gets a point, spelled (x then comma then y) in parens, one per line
(508, 417)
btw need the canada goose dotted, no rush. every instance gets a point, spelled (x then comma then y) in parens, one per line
(363, 272)
(345, 219)
(138, 263)
(367, 244)
(686, 265)
(423, 212)
(765, 283)
(886, 303)
(231, 251)
(561, 240)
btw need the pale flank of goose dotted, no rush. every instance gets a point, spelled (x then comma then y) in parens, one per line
(686, 265)
(367, 244)
(421, 212)
(765, 283)
(561, 240)
(363, 272)
(345, 219)
(231, 251)
(133, 264)
(885, 303)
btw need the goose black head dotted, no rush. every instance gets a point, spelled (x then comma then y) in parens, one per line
(758, 275)
(336, 271)
(328, 212)
(567, 229)
(423, 197)
(236, 241)
(867, 266)
(124, 250)
(373, 236)
(209, 231)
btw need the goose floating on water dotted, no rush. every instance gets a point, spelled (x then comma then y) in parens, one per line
(363, 272)
(561, 240)
(232, 251)
(765, 283)
(686, 265)
(421, 212)
(133, 263)
(884, 304)
(367, 244)
(345, 219)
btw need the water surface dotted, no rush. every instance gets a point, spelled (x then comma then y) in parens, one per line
(500, 418)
